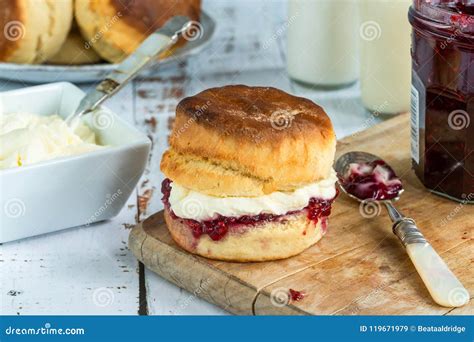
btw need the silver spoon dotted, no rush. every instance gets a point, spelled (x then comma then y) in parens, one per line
(444, 287)
(157, 42)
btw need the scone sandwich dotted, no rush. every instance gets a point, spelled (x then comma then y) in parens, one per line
(249, 174)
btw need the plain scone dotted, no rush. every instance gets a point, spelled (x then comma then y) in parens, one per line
(240, 141)
(115, 28)
(34, 31)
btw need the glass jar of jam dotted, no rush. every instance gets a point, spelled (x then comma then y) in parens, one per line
(442, 96)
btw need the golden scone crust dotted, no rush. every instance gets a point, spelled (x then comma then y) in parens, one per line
(75, 51)
(267, 241)
(115, 28)
(33, 31)
(248, 141)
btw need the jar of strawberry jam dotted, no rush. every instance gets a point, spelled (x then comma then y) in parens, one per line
(442, 99)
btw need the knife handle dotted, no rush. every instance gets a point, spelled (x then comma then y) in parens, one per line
(443, 286)
(152, 46)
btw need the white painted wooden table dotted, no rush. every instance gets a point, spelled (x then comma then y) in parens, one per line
(89, 270)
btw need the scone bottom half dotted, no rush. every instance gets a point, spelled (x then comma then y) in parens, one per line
(249, 237)
(240, 141)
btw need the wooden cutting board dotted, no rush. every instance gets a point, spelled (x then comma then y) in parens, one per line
(358, 268)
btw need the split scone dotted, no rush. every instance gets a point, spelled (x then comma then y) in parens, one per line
(249, 174)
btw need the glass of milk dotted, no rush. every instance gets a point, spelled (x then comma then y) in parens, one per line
(323, 42)
(385, 74)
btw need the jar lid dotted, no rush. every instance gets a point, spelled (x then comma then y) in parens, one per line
(450, 15)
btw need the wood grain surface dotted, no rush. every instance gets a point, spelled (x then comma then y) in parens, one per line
(358, 268)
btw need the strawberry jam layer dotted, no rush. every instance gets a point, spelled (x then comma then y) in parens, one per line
(317, 209)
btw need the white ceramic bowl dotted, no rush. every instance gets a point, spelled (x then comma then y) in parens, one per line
(70, 191)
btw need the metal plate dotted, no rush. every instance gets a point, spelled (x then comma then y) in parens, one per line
(43, 73)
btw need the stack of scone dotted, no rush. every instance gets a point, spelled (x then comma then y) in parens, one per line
(82, 31)
(249, 174)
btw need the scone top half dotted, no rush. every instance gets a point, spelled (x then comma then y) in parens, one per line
(248, 141)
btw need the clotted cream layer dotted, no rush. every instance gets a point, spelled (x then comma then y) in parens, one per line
(191, 204)
(29, 138)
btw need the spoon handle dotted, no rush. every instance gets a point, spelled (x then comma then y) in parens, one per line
(442, 284)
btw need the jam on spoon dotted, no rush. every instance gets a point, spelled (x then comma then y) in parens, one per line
(373, 180)
(378, 181)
